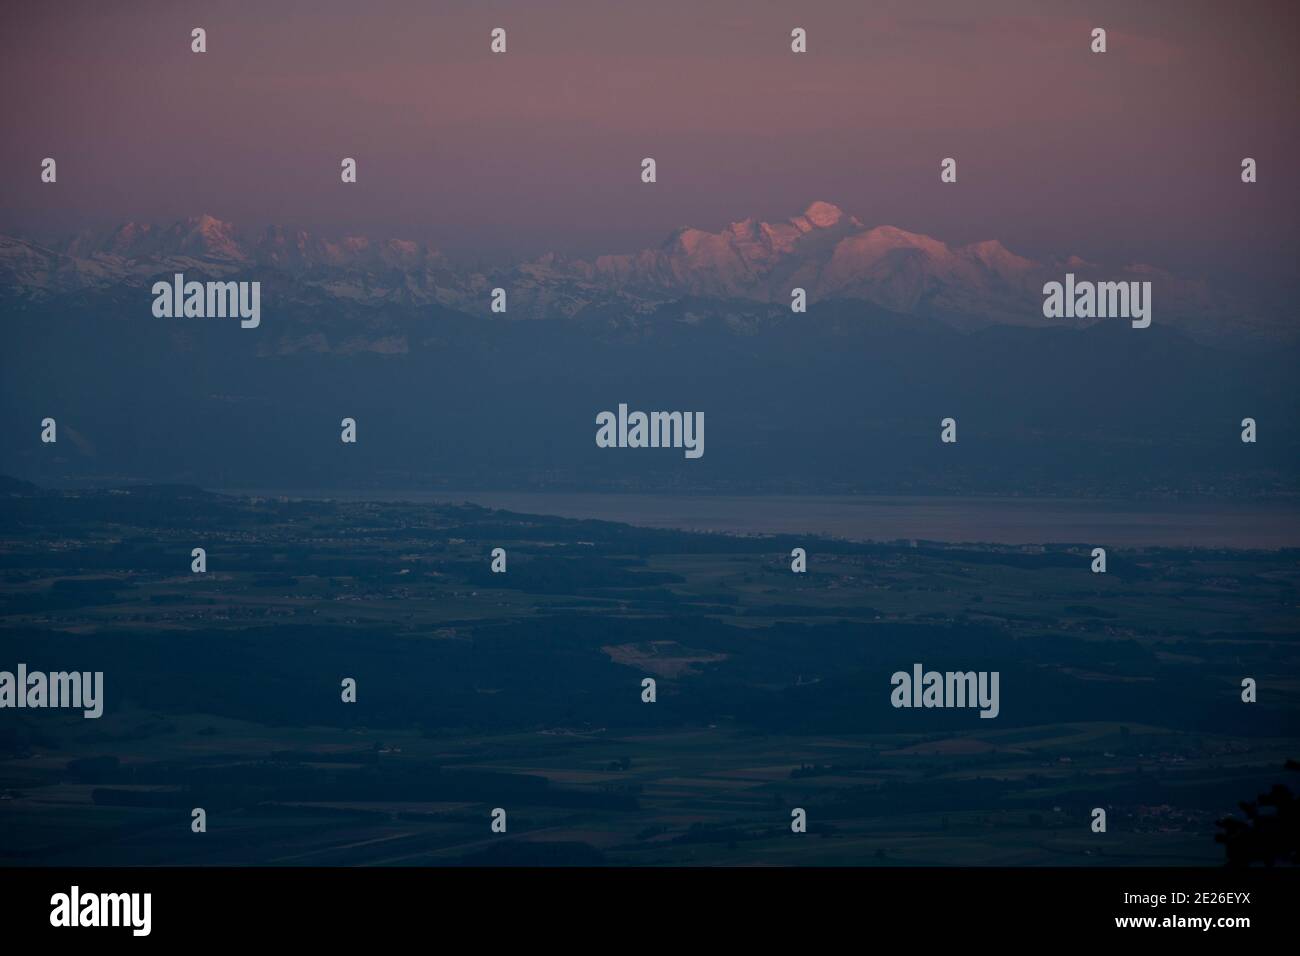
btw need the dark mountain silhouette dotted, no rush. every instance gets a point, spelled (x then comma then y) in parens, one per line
(1270, 834)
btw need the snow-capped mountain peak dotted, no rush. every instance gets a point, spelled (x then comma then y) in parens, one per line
(823, 250)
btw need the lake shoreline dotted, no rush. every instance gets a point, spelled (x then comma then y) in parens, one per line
(950, 519)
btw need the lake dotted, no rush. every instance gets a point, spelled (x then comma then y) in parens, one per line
(1156, 523)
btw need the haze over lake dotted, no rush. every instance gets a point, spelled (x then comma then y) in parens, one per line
(1192, 523)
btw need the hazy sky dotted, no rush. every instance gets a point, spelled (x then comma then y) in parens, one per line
(1128, 156)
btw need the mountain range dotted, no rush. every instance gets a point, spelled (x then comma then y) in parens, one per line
(902, 330)
(824, 250)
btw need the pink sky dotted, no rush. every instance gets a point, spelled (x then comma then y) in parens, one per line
(1128, 156)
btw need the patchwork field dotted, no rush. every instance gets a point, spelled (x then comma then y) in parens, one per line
(523, 691)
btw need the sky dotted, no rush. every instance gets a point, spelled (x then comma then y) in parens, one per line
(1129, 156)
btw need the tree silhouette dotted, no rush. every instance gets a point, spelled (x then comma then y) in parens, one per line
(1270, 833)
